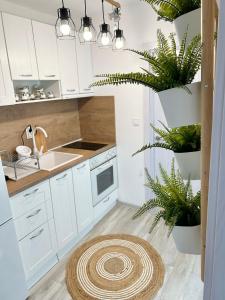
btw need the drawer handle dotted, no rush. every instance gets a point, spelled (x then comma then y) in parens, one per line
(33, 192)
(87, 89)
(64, 176)
(72, 90)
(37, 235)
(106, 200)
(81, 167)
(50, 76)
(26, 75)
(34, 214)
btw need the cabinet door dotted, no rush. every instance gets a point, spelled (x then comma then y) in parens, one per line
(20, 46)
(6, 85)
(85, 68)
(83, 195)
(38, 248)
(64, 208)
(46, 50)
(68, 67)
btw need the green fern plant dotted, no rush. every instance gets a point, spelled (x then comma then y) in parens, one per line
(174, 198)
(170, 68)
(179, 140)
(169, 10)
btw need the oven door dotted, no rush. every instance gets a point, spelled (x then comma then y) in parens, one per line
(104, 180)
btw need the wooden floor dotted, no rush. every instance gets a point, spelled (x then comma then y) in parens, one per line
(182, 280)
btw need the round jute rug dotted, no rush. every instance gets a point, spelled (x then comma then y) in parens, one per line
(115, 267)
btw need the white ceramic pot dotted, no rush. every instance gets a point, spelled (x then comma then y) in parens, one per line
(192, 21)
(188, 239)
(189, 164)
(180, 107)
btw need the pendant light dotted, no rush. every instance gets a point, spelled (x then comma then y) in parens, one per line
(65, 27)
(119, 40)
(104, 36)
(87, 32)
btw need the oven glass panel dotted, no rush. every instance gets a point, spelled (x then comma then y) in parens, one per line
(105, 180)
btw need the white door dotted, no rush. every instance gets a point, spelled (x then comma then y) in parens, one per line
(83, 195)
(68, 67)
(6, 85)
(38, 248)
(46, 50)
(64, 208)
(85, 68)
(20, 46)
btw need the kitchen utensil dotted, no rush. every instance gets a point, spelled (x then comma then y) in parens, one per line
(41, 142)
(50, 95)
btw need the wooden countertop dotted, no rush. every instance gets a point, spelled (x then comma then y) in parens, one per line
(15, 187)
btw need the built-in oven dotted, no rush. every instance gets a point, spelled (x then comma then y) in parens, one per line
(104, 180)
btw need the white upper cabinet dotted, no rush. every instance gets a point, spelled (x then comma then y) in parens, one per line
(64, 208)
(68, 67)
(6, 86)
(83, 195)
(20, 46)
(46, 51)
(85, 68)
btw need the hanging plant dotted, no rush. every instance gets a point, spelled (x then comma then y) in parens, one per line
(169, 10)
(179, 140)
(170, 68)
(175, 200)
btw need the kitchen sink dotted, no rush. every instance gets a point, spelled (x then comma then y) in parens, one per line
(52, 160)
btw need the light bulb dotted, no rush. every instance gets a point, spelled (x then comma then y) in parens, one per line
(105, 39)
(87, 34)
(119, 43)
(65, 28)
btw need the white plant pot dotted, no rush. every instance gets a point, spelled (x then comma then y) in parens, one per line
(187, 239)
(180, 107)
(192, 21)
(189, 164)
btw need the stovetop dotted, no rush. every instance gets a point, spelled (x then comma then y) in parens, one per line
(85, 146)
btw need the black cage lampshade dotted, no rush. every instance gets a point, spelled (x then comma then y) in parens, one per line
(65, 27)
(87, 32)
(105, 36)
(119, 40)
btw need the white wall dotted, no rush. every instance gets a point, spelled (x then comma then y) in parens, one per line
(140, 27)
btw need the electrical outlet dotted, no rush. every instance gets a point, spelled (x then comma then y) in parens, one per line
(29, 132)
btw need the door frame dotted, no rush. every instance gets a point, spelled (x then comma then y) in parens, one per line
(215, 243)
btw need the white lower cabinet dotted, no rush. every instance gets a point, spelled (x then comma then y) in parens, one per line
(38, 251)
(102, 208)
(64, 211)
(83, 196)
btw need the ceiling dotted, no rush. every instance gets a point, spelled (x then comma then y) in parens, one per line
(76, 6)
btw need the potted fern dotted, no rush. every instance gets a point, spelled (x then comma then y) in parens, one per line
(184, 13)
(178, 207)
(185, 142)
(171, 75)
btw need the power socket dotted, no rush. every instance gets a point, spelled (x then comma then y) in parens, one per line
(29, 132)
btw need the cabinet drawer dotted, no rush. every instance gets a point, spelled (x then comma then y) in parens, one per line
(37, 248)
(104, 205)
(33, 219)
(29, 199)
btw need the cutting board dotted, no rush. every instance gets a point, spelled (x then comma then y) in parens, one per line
(41, 141)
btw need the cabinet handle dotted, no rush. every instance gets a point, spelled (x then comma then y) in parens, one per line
(87, 89)
(34, 214)
(72, 90)
(106, 200)
(26, 75)
(81, 167)
(64, 176)
(37, 235)
(50, 76)
(31, 193)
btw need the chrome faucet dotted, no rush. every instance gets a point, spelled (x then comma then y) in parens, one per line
(35, 150)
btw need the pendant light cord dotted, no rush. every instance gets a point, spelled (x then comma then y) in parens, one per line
(85, 7)
(103, 11)
(63, 3)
